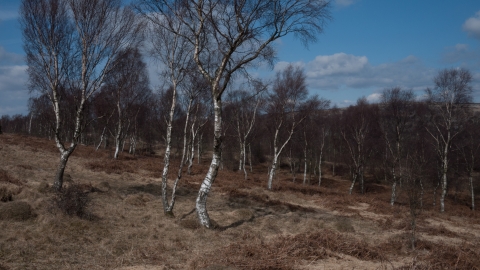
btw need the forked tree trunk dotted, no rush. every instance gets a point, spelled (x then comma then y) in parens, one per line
(201, 202)
(169, 209)
(58, 181)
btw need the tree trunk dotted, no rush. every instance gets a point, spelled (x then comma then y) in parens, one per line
(472, 192)
(305, 167)
(353, 183)
(320, 170)
(244, 161)
(394, 194)
(444, 185)
(250, 157)
(192, 154)
(241, 159)
(272, 171)
(58, 181)
(201, 202)
(166, 159)
(102, 137)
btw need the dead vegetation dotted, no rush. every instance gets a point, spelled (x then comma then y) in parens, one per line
(109, 216)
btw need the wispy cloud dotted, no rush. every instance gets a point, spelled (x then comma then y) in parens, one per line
(8, 58)
(345, 3)
(8, 15)
(341, 70)
(472, 26)
(13, 83)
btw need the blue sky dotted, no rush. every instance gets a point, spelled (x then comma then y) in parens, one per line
(369, 45)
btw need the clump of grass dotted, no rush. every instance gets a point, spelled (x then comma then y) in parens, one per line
(73, 200)
(285, 251)
(7, 178)
(111, 166)
(344, 224)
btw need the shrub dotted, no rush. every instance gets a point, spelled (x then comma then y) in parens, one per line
(72, 200)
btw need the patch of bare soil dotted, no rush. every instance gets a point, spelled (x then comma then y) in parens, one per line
(294, 226)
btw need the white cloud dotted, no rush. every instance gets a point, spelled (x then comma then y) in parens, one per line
(13, 83)
(374, 98)
(282, 65)
(462, 55)
(8, 15)
(340, 71)
(345, 3)
(336, 64)
(7, 58)
(472, 26)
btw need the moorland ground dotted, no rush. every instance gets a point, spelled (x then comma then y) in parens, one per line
(294, 226)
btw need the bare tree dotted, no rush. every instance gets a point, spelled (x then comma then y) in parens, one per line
(468, 148)
(71, 44)
(323, 127)
(288, 107)
(229, 36)
(126, 87)
(244, 106)
(448, 112)
(358, 125)
(396, 118)
(174, 52)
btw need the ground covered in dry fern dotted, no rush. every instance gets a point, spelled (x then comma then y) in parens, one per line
(295, 226)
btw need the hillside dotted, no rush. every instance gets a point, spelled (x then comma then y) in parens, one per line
(294, 226)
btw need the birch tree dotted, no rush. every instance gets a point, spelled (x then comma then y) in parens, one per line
(229, 36)
(468, 148)
(323, 129)
(287, 106)
(396, 119)
(127, 86)
(71, 44)
(244, 106)
(174, 53)
(358, 124)
(447, 102)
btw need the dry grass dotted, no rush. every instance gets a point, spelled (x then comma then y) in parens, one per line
(295, 226)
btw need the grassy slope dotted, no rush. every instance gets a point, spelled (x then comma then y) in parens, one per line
(292, 227)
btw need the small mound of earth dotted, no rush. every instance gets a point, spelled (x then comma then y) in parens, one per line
(16, 211)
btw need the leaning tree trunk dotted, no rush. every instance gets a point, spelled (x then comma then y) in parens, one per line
(169, 209)
(201, 202)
